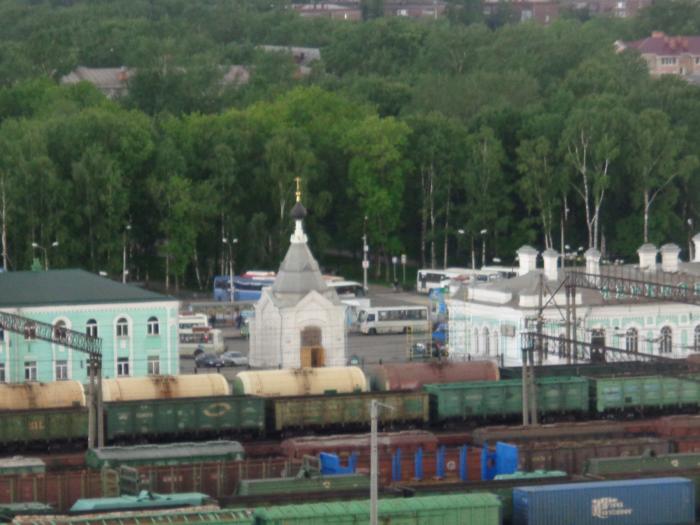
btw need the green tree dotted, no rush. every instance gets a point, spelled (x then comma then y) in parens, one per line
(541, 185)
(376, 173)
(486, 192)
(655, 158)
(591, 143)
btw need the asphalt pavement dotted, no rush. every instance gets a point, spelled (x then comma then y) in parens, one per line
(369, 349)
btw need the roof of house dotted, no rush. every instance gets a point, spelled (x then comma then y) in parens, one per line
(63, 287)
(661, 44)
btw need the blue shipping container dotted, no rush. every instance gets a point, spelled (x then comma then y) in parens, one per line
(659, 501)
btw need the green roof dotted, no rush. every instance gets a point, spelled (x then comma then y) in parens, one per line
(59, 287)
(385, 506)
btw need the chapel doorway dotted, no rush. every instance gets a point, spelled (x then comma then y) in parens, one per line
(312, 352)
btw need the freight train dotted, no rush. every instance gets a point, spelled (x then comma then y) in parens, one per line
(138, 410)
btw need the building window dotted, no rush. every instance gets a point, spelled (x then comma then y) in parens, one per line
(123, 366)
(2, 372)
(668, 61)
(2, 335)
(122, 327)
(632, 340)
(61, 370)
(91, 328)
(697, 60)
(487, 345)
(60, 331)
(153, 328)
(696, 341)
(30, 371)
(666, 341)
(153, 365)
(476, 340)
(29, 331)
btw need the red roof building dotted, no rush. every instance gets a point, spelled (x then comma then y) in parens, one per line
(667, 55)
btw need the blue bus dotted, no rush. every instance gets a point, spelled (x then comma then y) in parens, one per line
(246, 287)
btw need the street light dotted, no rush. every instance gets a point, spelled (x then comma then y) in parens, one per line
(127, 228)
(225, 240)
(365, 253)
(461, 233)
(54, 244)
(483, 246)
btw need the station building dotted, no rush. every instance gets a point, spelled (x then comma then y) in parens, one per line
(488, 320)
(138, 327)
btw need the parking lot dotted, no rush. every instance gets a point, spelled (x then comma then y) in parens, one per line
(368, 349)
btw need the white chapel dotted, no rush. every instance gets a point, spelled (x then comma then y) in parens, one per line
(299, 321)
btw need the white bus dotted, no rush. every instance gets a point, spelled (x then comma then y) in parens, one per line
(347, 289)
(428, 279)
(194, 332)
(394, 319)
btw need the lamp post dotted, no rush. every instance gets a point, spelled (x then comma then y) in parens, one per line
(54, 244)
(225, 240)
(461, 233)
(483, 246)
(365, 254)
(127, 228)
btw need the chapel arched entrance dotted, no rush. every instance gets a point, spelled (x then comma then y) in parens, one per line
(312, 352)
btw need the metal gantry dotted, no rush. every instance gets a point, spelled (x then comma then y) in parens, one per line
(78, 341)
(615, 284)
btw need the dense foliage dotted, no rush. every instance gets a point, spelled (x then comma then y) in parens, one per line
(424, 134)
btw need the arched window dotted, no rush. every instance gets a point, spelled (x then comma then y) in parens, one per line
(666, 341)
(476, 340)
(122, 327)
(632, 340)
(487, 342)
(91, 328)
(59, 330)
(152, 327)
(696, 340)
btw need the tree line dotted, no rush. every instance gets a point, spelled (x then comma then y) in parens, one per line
(434, 138)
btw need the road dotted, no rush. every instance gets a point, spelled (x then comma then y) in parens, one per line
(369, 349)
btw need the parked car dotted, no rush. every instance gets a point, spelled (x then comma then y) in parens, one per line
(428, 351)
(231, 358)
(208, 361)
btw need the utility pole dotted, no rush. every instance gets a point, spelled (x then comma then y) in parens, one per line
(365, 254)
(365, 261)
(125, 271)
(374, 460)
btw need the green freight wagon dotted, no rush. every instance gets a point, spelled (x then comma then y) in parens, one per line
(455, 509)
(56, 425)
(618, 394)
(185, 417)
(168, 455)
(335, 484)
(342, 410)
(19, 465)
(503, 399)
(642, 464)
(622, 368)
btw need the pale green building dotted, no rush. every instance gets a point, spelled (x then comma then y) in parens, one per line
(138, 327)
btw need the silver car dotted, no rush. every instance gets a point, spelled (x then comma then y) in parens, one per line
(231, 358)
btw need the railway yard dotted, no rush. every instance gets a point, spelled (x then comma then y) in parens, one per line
(261, 448)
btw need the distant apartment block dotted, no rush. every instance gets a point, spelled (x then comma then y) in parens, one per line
(668, 55)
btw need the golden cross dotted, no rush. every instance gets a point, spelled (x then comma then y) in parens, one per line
(298, 192)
